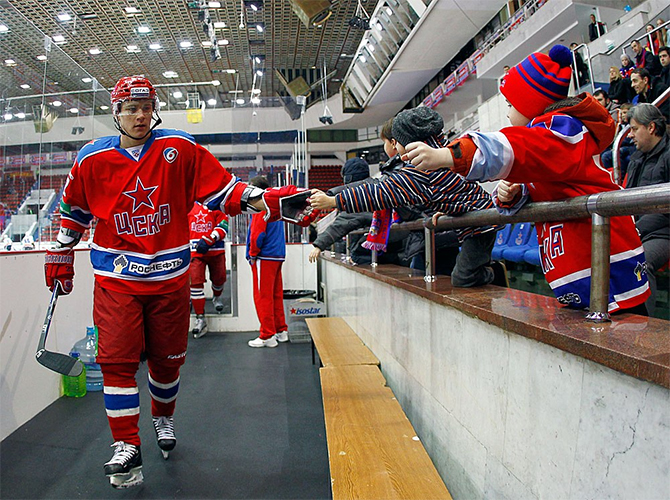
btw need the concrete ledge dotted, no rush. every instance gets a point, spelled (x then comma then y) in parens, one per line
(631, 344)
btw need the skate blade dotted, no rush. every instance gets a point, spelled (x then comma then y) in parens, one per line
(166, 454)
(127, 480)
(197, 334)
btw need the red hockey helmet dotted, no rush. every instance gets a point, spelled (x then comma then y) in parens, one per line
(132, 88)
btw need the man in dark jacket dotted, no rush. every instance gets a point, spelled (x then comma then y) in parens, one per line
(648, 90)
(664, 59)
(648, 166)
(596, 28)
(355, 171)
(645, 59)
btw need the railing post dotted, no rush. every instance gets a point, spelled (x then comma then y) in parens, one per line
(429, 235)
(347, 254)
(374, 259)
(600, 269)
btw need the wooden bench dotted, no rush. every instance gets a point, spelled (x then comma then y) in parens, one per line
(373, 450)
(337, 344)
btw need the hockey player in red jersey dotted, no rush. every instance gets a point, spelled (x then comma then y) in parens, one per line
(208, 251)
(141, 186)
(551, 152)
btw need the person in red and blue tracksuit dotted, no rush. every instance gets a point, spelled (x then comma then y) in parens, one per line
(266, 251)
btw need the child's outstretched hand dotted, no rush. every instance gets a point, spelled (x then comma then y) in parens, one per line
(508, 192)
(321, 201)
(423, 157)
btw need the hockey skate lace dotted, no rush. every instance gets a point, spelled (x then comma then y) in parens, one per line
(123, 452)
(164, 428)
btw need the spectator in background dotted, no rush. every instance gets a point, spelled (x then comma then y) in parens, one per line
(652, 44)
(650, 165)
(354, 170)
(505, 69)
(662, 34)
(596, 28)
(645, 59)
(627, 147)
(581, 76)
(620, 90)
(604, 99)
(664, 59)
(627, 66)
(648, 90)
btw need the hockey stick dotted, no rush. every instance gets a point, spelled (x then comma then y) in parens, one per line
(60, 363)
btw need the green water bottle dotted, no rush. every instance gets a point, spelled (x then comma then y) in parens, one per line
(75, 387)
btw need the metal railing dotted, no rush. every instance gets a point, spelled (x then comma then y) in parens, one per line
(599, 207)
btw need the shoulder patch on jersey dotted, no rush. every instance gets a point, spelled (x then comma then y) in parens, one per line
(170, 154)
(170, 133)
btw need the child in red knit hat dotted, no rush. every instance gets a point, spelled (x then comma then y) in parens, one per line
(550, 153)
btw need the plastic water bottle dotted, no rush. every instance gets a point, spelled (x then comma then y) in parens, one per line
(74, 387)
(88, 350)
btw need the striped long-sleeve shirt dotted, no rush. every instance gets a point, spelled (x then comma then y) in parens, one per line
(433, 191)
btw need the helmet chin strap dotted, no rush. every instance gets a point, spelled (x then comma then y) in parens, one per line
(120, 129)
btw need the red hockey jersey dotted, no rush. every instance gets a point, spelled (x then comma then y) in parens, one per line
(557, 157)
(141, 241)
(204, 222)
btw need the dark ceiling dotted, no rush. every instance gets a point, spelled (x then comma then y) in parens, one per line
(286, 48)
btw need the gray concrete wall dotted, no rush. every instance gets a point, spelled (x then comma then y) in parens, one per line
(503, 416)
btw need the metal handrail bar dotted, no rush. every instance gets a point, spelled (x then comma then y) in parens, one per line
(600, 206)
(574, 64)
(623, 45)
(649, 33)
(616, 145)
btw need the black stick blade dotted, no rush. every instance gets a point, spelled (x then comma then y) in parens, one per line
(60, 363)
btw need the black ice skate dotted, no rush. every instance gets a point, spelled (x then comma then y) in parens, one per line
(124, 469)
(200, 327)
(165, 435)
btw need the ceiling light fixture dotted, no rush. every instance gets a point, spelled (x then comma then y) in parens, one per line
(170, 74)
(25, 86)
(260, 28)
(104, 108)
(4, 28)
(74, 111)
(216, 83)
(10, 62)
(143, 30)
(177, 94)
(58, 38)
(95, 51)
(211, 102)
(57, 104)
(231, 71)
(223, 42)
(8, 116)
(185, 44)
(239, 100)
(214, 5)
(206, 44)
(64, 17)
(132, 49)
(20, 116)
(41, 57)
(155, 46)
(87, 79)
(131, 10)
(219, 25)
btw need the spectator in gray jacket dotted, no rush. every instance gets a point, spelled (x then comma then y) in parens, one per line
(648, 166)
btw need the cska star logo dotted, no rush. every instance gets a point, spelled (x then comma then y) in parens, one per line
(141, 195)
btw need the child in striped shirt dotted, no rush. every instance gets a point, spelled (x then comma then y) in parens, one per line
(435, 191)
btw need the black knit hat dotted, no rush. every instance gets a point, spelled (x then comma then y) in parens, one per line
(417, 124)
(355, 169)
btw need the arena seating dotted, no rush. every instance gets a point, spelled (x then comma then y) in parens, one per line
(15, 187)
(372, 447)
(324, 177)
